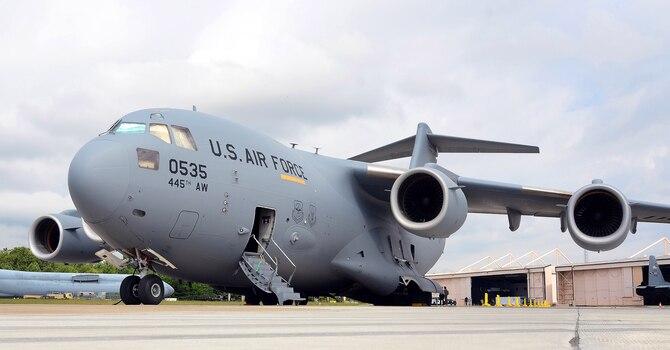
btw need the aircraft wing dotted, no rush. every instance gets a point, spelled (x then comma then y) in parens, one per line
(500, 198)
(650, 212)
(489, 197)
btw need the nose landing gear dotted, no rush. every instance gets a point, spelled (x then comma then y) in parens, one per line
(144, 289)
(129, 290)
(151, 290)
(148, 290)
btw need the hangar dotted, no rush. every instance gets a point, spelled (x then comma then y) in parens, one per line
(604, 283)
(528, 276)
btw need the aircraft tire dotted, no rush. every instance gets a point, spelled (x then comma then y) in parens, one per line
(151, 290)
(129, 290)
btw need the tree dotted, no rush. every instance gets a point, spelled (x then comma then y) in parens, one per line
(18, 258)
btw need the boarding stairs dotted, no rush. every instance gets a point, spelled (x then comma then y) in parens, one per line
(263, 271)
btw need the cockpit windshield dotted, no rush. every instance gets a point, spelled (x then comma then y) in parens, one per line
(130, 128)
(174, 134)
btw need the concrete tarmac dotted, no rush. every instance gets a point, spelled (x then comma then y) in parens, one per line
(329, 327)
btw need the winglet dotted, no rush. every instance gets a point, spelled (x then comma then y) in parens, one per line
(424, 151)
(655, 275)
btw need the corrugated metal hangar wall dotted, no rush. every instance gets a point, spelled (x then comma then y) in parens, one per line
(589, 284)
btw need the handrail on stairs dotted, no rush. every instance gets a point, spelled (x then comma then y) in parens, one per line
(274, 261)
(287, 258)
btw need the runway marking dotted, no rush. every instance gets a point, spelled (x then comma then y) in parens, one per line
(273, 335)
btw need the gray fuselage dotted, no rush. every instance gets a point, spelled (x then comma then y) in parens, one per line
(198, 208)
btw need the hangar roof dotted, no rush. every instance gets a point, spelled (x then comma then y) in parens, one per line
(642, 261)
(532, 262)
(491, 272)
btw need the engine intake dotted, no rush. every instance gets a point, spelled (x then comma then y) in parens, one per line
(60, 238)
(598, 217)
(427, 203)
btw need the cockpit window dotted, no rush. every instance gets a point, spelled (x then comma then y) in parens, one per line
(116, 123)
(161, 131)
(148, 159)
(130, 128)
(183, 138)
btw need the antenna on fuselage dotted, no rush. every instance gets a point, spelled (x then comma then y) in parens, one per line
(293, 144)
(194, 109)
(316, 150)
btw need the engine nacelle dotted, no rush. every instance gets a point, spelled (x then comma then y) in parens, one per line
(598, 217)
(61, 238)
(427, 203)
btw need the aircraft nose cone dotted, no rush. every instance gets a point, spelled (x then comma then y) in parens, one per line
(98, 179)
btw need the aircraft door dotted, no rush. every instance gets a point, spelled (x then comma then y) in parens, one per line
(264, 222)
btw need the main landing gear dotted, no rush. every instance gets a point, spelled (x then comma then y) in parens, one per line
(148, 290)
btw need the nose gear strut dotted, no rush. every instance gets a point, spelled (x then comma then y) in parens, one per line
(143, 289)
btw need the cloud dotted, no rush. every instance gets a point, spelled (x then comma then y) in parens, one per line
(22, 206)
(588, 83)
(18, 210)
(13, 236)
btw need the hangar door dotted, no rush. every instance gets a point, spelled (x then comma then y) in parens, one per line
(512, 285)
(606, 286)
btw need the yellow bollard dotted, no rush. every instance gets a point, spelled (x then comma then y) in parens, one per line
(498, 300)
(486, 300)
(546, 303)
(516, 304)
(509, 302)
(524, 302)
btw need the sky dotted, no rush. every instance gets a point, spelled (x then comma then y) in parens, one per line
(587, 82)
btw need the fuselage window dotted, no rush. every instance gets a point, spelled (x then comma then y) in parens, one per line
(130, 128)
(161, 131)
(183, 138)
(148, 159)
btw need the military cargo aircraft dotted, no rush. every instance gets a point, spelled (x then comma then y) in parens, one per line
(657, 289)
(204, 199)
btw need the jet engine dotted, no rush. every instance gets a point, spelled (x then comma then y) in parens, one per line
(61, 238)
(598, 217)
(427, 203)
